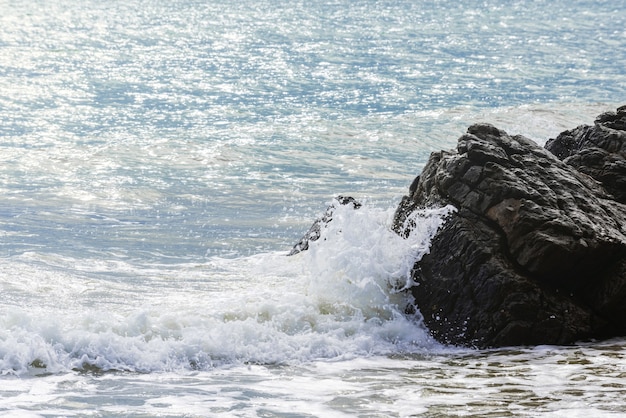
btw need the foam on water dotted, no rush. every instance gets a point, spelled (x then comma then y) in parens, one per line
(344, 297)
(542, 381)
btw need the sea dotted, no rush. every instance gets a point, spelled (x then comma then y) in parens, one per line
(159, 159)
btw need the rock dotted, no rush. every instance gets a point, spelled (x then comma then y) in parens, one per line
(598, 151)
(313, 234)
(535, 253)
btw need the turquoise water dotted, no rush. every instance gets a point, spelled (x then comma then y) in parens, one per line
(159, 159)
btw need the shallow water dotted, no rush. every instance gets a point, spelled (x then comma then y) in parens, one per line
(158, 160)
(577, 381)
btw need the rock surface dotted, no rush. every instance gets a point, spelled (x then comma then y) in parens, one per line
(598, 150)
(536, 253)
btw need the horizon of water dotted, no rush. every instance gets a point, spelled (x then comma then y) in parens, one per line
(159, 160)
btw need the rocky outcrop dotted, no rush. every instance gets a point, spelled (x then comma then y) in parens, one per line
(536, 252)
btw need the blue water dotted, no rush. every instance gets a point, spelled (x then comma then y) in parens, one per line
(159, 159)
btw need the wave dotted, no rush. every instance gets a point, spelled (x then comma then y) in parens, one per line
(343, 298)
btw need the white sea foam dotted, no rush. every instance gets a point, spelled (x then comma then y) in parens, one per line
(344, 297)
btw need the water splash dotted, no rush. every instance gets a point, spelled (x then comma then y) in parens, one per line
(343, 298)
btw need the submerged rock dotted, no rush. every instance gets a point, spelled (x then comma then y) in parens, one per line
(314, 233)
(536, 253)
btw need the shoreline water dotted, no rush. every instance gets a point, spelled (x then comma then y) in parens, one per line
(520, 381)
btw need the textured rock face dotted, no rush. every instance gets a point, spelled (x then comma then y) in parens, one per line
(598, 150)
(536, 253)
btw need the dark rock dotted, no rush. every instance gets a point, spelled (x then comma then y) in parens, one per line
(535, 253)
(314, 233)
(598, 151)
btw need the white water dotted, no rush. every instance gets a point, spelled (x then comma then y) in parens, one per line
(343, 298)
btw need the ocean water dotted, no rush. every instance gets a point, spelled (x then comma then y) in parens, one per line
(158, 160)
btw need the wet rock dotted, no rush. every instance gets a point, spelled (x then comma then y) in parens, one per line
(535, 254)
(313, 234)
